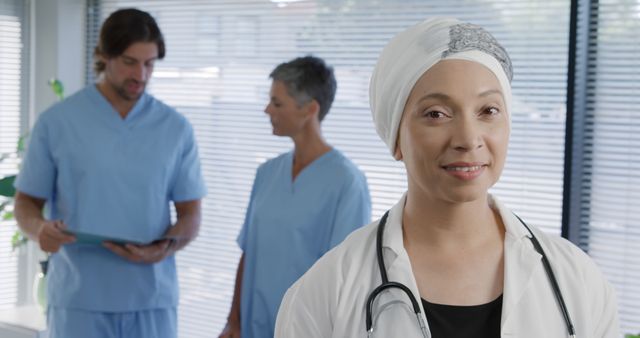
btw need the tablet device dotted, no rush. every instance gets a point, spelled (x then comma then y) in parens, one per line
(87, 238)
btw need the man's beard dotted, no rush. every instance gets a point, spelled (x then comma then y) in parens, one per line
(122, 92)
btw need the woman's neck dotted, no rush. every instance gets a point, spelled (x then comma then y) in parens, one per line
(456, 249)
(437, 223)
(308, 147)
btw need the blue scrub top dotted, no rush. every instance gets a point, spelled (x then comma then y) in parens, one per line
(115, 177)
(290, 224)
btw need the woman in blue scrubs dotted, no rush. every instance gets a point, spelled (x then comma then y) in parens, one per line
(302, 204)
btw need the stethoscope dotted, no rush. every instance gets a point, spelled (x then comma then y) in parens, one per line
(386, 284)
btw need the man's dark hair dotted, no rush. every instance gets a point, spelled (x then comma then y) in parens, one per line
(123, 28)
(308, 78)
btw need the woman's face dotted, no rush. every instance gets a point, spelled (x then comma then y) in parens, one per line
(288, 118)
(454, 132)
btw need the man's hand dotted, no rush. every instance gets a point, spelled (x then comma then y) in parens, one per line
(51, 237)
(151, 253)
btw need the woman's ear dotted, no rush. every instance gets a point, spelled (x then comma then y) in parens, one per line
(313, 108)
(397, 154)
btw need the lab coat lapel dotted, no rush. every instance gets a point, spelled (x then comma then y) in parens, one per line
(398, 263)
(396, 257)
(520, 263)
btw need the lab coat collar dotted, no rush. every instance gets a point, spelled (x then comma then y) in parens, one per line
(521, 261)
(393, 232)
(520, 258)
(394, 242)
(512, 224)
(395, 256)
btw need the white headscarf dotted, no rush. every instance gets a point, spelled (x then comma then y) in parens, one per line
(412, 52)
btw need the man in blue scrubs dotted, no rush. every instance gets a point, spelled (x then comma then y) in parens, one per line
(302, 204)
(108, 161)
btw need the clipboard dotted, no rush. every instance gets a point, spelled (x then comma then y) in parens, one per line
(87, 238)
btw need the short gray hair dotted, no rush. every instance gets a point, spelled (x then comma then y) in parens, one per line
(308, 78)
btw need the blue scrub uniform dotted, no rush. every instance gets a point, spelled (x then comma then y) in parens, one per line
(115, 177)
(290, 224)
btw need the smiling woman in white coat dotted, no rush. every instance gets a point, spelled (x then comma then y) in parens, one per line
(449, 259)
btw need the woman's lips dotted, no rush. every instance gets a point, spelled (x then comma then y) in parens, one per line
(465, 171)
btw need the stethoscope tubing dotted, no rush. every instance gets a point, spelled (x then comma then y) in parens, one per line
(552, 279)
(386, 284)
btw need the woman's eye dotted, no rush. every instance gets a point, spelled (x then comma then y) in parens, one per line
(492, 111)
(434, 114)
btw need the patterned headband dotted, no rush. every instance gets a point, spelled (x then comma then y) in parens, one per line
(412, 52)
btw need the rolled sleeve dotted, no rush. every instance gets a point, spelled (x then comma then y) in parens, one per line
(37, 177)
(242, 237)
(189, 184)
(353, 210)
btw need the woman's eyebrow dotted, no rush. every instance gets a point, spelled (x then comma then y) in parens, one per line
(490, 92)
(439, 96)
(445, 97)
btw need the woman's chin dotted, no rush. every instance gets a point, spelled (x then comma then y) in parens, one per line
(465, 194)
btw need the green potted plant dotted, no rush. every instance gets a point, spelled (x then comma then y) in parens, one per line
(7, 191)
(629, 335)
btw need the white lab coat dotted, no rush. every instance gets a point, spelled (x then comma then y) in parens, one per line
(329, 300)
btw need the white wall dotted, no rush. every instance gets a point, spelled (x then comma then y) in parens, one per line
(57, 49)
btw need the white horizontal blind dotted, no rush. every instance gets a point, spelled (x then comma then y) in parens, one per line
(12, 30)
(219, 55)
(612, 193)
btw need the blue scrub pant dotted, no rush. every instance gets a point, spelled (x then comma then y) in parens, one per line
(68, 323)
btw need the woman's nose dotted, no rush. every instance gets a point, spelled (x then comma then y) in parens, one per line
(467, 135)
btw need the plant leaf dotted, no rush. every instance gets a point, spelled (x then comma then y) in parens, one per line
(17, 240)
(57, 87)
(21, 144)
(7, 216)
(6, 186)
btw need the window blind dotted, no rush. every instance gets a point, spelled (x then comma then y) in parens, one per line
(12, 98)
(219, 55)
(612, 143)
